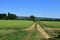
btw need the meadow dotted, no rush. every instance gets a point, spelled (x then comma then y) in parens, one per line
(15, 24)
(51, 24)
(10, 29)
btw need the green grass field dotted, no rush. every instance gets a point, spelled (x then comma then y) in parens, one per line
(51, 24)
(8, 31)
(15, 24)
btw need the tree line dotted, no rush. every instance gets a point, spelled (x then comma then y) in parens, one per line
(5, 16)
(11, 16)
(50, 19)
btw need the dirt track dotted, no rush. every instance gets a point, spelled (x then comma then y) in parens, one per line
(30, 28)
(42, 31)
(39, 29)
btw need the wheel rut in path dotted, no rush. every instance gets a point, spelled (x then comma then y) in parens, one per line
(42, 31)
(39, 29)
(31, 27)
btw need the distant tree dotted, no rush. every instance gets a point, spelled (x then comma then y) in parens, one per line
(57, 19)
(11, 16)
(3, 16)
(32, 18)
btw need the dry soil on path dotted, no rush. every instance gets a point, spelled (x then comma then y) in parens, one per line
(42, 31)
(53, 28)
(31, 27)
(39, 29)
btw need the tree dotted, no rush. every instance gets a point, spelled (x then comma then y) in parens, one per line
(3, 16)
(32, 17)
(11, 16)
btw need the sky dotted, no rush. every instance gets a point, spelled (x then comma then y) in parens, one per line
(38, 8)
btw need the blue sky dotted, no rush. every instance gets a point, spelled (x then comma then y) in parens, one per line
(39, 8)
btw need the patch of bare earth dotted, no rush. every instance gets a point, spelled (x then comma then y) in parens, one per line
(30, 28)
(53, 28)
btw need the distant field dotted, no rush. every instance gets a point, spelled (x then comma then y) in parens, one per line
(51, 24)
(15, 23)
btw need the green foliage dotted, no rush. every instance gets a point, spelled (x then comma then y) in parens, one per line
(3, 16)
(7, 16)
(11, 16)
(32, 17)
